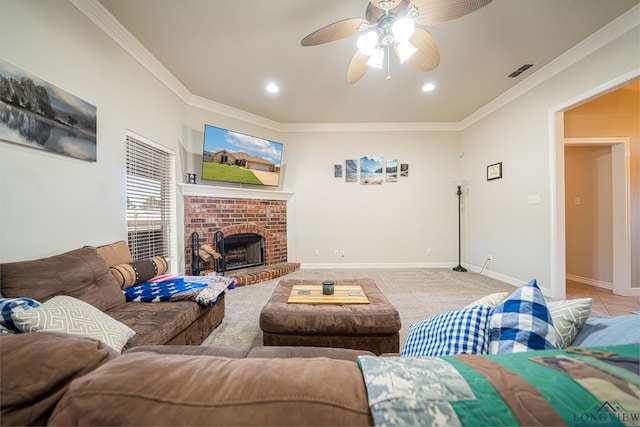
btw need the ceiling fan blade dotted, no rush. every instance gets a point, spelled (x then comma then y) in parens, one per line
(332, 32)
(436, 11)
(357, 67)
(427, 57)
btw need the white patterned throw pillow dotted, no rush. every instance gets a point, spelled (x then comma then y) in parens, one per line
(568, 318)
(491, 300)
(73, 316)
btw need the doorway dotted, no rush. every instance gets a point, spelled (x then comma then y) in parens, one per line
(620, 197)
(614, 239)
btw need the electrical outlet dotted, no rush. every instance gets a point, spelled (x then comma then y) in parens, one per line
(336, 252)
(342, 253)
(490, 258)
(317, 252)
(429, 251)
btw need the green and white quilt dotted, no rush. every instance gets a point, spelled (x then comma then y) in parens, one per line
(575, 386)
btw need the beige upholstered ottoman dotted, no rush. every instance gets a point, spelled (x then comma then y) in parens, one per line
(374, 326)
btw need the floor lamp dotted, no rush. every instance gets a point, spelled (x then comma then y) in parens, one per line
(459, 267)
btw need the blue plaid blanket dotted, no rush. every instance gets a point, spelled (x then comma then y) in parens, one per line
(205, 290)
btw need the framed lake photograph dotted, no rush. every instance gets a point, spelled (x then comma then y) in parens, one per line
(371, 170)
(37, 114)
(392, 171)
(351, 171)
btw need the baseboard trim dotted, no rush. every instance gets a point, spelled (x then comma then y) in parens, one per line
(589, 281)
(356, 265)
(471, 269)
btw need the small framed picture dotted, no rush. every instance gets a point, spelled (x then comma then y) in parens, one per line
(351, 171)
(494, 171)
(337, 171)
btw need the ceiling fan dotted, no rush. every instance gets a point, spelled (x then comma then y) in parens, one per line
(394, 24)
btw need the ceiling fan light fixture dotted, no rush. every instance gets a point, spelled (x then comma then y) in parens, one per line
(375, 60)
(367, 42)
(403, 29)
(405, 50)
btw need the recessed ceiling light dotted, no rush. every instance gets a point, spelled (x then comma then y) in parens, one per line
(428, 87)
(272, 88)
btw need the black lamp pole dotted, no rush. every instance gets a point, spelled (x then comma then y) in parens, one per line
(459, 267)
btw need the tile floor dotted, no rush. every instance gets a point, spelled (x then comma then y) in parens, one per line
(604, 300)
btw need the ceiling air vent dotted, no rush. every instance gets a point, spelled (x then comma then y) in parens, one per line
(520, 70)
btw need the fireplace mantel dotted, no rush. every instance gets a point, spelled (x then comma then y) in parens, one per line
(232, 192)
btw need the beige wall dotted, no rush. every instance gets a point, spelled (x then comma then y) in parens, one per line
(588, 213)
(616, 114)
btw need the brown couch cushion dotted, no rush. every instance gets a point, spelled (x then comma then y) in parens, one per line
(115, 253)
(80, 273)
(156, 322)
(152, 389)
(36, 369)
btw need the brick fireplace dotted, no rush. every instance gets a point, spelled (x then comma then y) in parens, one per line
(208, 213)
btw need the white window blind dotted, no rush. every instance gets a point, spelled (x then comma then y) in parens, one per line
(150, 200)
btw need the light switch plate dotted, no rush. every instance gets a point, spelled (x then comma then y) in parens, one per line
(534, 199)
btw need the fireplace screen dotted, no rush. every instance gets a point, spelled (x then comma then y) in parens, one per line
(243, 251)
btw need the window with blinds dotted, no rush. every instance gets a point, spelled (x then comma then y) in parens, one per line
(150, 187)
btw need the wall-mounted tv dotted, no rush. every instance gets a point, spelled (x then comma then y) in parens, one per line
(230, 156)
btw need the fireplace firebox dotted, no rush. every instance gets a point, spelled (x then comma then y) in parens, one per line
(241, 251)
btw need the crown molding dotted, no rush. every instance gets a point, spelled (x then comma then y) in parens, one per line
(371, 127)
(101, 17)
(234, 113)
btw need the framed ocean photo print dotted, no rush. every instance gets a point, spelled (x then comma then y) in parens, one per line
(351, 171)
(392, 171)
(371, 170)
(337, 171)
(404, 170)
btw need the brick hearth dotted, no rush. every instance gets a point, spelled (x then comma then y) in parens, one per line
(253, 275)
(268, 218)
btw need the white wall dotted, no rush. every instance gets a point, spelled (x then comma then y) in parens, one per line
(393, 223)
(51, 203)
(501, 222)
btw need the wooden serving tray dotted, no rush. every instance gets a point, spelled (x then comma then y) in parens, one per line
(312, 294)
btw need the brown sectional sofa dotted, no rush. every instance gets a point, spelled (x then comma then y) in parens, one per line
(72, 380)
(59, 379)
(84, 274)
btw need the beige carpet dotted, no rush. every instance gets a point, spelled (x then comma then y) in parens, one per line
(416, 293)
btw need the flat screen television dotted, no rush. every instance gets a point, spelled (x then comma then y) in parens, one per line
(230, 156)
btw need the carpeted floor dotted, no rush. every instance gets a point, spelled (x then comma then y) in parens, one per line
(416, 293)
